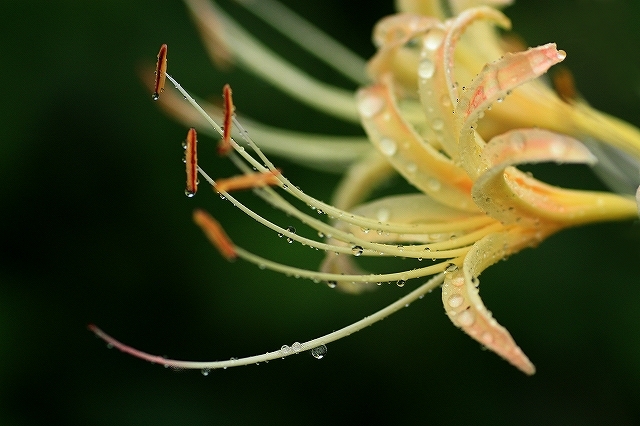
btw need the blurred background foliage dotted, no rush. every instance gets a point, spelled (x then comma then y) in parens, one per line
(95, 228)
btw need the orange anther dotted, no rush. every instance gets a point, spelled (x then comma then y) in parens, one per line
(564, 84)
(215, 233)
(191, 160)
(248, 181)
(224, 147)
(161, 72)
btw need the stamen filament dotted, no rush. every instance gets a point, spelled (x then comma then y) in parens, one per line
(433, 283)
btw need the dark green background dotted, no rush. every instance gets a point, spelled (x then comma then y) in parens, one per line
(95, 228)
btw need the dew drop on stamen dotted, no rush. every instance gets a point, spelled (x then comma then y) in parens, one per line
(451, 267)
(189, 194)
(401, 283)
(319, 351)
(285, 350)
(332, 284)
(296, 347)
(388, 147)
(205, 371)
(357, 250)
(293, 231)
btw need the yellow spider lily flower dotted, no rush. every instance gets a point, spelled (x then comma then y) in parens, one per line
(454, 113)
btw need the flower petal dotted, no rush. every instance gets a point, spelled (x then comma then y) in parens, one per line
(494, 82)
(465, 308)
(511, 196)
(417, 161)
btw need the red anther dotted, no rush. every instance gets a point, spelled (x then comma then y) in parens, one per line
(161, 72)
(191, 160)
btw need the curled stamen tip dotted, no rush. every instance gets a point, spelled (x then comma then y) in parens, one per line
(224, 147)
(161, 73)
(214, 232)
(191, 160)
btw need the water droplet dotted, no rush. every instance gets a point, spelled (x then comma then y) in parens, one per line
(451, 267)
(205, 371)
(487, 338)
(189, 193)
(426, 69)
(455, 300)
(155, 96)
(319, 351)
(433, 39)
(458, 281)
(109, 345)
(319, 211)
(388, 147)
(296, 347)
(320, 234)
(465, 318)
(370, 105)
(557, 149)
(434, 184)
(332, 284)
(437, 124)
(285, 349)
(293, 231)
(561, 54)
(383, 215)
(357, 250)
(401, 283)
(184, 145)
(412, 168)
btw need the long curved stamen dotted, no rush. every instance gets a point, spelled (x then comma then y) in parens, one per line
(285, 350)
(309, 37)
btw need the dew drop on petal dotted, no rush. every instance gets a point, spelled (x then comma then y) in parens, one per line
(383, 215)
(487, 338)
(370, 105)
(561, 54)
(433, 39)
(388, 147)
(434, 184)
(458, 281)
(465, 318)
(426, 69)
(319, 351)
(455, 300)
(357, 250)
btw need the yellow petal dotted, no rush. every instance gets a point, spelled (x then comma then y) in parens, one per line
(417, 161)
